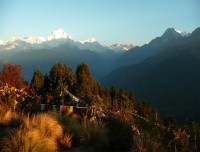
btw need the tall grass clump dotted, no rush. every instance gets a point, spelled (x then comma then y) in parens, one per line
(8, 117)
(86, 134)
(71, 126)
(28, 140)
(95, 135)
(120, 134)
(47, 125)
(36, 134)
(66, 141)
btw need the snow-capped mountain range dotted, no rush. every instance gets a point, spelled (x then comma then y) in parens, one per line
(56, 38)
(119, 47)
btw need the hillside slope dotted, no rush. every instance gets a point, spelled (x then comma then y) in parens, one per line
(170, 80)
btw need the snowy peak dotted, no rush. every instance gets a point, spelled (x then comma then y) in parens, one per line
(182, 33)
(2, 42)
(58, 34)
(14, 40)
(124, 47)
(30, 40)
(171, 33)
(33, 40)
(90, 40)
(178, 31)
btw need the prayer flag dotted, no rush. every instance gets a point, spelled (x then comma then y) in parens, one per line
(61, 108)
(46, 107)
(54, 108)
(64, 108)
(42, 107)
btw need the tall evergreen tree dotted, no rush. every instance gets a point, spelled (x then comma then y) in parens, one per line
(37, 81)
(113, 95)
(60, 78)
(46, 83)
(133, 100)
(84, 84)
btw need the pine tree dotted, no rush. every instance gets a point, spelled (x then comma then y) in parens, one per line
(123, 100)
(133, 100)
(46, 83)
(106, 97)
(37, 81)
(84, 84)
(113, 95)
(60, 78)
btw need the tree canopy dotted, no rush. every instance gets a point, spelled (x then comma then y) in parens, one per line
(12, 75)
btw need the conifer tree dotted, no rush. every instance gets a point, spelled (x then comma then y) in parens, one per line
(113, 95)
(84, 84)
(60, 78)
(37, 81)
(46, 83)
(133, 101)
(106, 97)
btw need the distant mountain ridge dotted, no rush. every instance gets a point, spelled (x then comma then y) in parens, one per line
(169, 80)
(155, 46)
(56, 38)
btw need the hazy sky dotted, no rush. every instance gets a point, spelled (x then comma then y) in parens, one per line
(109, 21)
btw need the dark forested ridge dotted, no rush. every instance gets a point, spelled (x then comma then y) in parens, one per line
(170, 80)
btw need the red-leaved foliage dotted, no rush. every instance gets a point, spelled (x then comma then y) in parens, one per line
(12, 75)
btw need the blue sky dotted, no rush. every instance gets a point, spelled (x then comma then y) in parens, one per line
(109, 21)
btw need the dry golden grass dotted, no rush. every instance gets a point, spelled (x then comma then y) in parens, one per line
(8, 117)
(47, 125)
(94, 134)
(5, 116)
(36, 134)
(28, 140)
(66, 141)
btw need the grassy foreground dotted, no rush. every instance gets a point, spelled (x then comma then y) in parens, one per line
(50, 132)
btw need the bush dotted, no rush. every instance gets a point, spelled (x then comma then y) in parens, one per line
(94, 134)
(120, 134)
(71, 126)
(85, 133)
(143, 143)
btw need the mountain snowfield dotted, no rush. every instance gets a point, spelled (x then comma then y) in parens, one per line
(183, 33)
(90, 40)
(56, 38)
(119, 47)
(58, 34)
